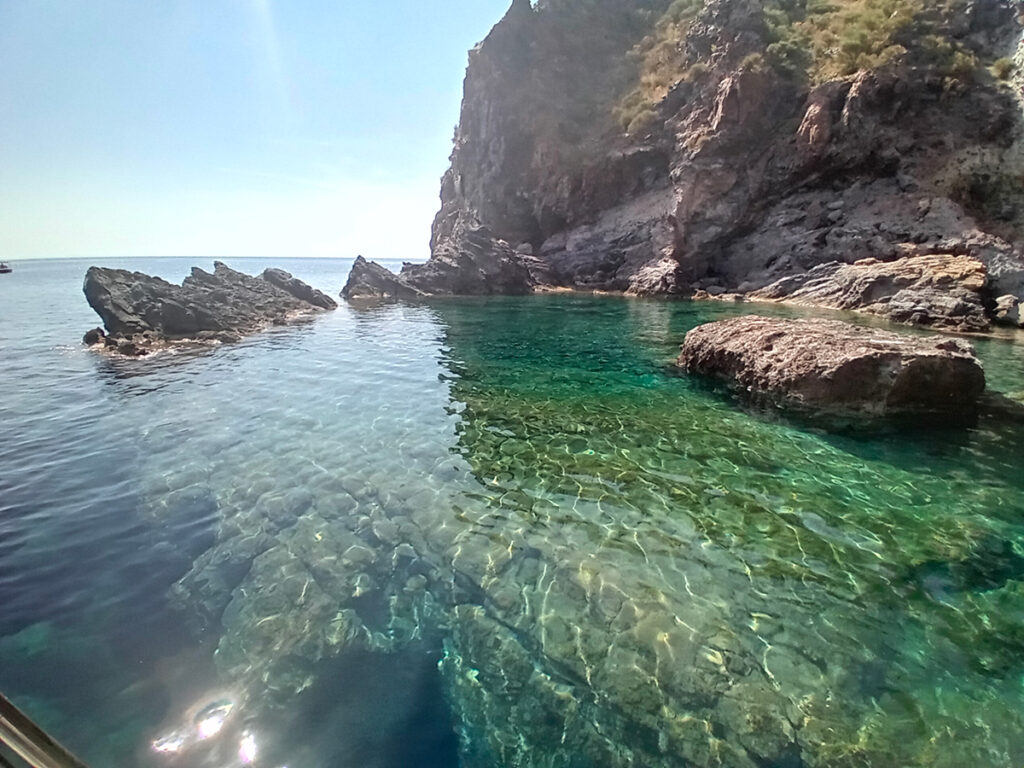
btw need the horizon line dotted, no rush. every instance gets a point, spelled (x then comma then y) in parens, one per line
(9, 260)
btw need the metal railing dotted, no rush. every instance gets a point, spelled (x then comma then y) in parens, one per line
(29, 742)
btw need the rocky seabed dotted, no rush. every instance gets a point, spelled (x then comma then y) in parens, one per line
(593, 609)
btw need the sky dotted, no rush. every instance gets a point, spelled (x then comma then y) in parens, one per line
(228, 127)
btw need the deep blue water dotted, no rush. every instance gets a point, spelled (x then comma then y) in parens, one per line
(414, 478)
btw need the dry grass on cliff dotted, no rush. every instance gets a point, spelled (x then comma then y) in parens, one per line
(841, 37)
(819, 39)
(1003, 68)
(813, 40)
(660, 62)
(845, 37)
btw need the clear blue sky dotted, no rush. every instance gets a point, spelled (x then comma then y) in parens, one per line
(228, 127)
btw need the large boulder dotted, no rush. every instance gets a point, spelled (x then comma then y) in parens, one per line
(939, 290)
(833, 368)
(140, 311)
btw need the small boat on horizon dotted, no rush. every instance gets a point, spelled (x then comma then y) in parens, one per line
(5, 268)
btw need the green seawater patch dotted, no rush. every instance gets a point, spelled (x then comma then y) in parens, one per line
(856, 596)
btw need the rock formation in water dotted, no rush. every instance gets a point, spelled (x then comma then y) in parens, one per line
(369, 280)
(141, 312)
(664, 147)
(835, 368)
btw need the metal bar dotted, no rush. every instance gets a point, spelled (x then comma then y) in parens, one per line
(30, 742)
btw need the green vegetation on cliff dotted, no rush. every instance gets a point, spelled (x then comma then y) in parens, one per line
(1003, 68)
(659, 59)
(829, 39)
(808, 40)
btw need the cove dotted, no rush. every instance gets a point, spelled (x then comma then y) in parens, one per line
(510, 522)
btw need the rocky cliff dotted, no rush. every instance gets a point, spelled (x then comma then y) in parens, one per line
(667, 147)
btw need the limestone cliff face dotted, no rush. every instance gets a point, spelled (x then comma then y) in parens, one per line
(740, 170)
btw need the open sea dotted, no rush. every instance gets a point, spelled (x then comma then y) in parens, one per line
(488, 532)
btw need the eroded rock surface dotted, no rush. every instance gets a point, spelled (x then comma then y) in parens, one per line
(1007, 311)
(942, 291)
(140, 312)
(835, 368)
(298, 289)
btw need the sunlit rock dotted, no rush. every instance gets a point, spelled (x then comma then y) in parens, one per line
(835, 368)
(941, 290)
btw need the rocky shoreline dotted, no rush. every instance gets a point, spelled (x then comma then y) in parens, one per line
(892, 189)
(889, 184)
(142, 313)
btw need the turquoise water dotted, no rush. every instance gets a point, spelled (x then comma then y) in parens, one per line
(490, 532)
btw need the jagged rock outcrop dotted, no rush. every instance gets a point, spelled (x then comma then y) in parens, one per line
(941, 291)
(481, 265)
(834, 368)
(369, 280)
(748, 164)
(298, 289)
(141, 312)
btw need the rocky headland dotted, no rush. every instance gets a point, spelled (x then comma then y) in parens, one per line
(740, 148)
(141, 313)
(832, 367)
(862, 156)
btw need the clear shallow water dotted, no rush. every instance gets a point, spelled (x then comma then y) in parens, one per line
(615, 565)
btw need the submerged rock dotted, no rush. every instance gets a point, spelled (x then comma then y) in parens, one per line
(618, 577)
(834, 368)
(940, 290)
(141, 312)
